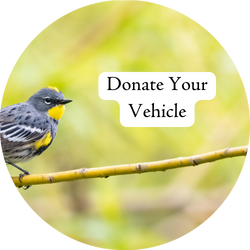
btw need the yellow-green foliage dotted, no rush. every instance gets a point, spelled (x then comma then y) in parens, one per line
(134, 211)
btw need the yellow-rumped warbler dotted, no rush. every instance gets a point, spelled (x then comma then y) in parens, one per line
(28, 128)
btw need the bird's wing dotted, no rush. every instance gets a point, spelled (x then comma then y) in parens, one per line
(20, 128)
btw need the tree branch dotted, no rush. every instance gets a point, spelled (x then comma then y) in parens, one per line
(138, 168)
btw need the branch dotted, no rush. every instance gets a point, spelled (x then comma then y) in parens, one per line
(138, 168)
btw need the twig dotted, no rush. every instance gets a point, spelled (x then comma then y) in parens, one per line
(138, 168)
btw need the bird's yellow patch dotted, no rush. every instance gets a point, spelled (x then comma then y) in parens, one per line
(54, 88)
(56, 112)
(45, 141)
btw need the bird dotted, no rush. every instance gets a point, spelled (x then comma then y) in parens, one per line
(27, 129)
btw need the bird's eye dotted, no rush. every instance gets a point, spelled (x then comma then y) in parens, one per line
(47, 100)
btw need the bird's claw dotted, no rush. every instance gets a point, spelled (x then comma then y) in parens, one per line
(21, 176)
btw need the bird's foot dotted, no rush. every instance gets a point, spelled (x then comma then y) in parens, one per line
(21, 176)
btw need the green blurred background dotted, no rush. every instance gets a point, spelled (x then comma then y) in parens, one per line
(130, 211)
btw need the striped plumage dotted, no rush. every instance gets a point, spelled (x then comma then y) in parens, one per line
(29, 128)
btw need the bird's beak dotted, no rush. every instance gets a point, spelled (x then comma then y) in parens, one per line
(65, 101)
